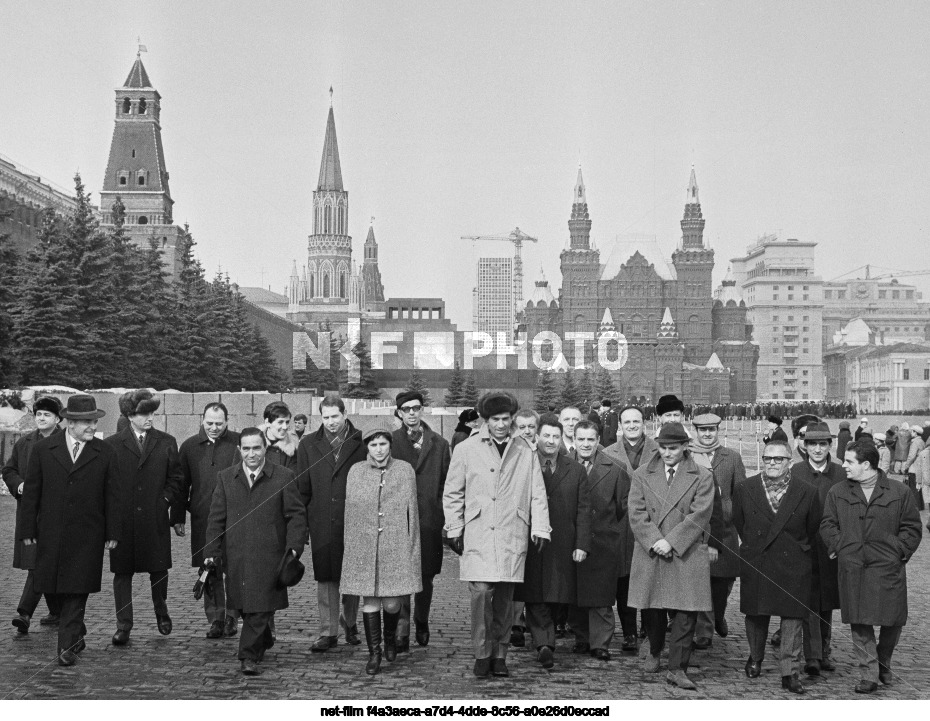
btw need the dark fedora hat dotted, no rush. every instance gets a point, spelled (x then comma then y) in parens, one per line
(818, 432)
(82, 407)
(290, 570)
(673, 433)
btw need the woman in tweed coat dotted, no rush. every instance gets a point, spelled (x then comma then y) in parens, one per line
(382, 553)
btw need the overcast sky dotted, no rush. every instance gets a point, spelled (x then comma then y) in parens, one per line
(806, 119)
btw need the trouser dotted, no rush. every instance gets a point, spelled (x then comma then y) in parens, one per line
(518, 619)
(71, 628)
(627, 613)
(122, 593)
(540, 620)
(719, 593)
(873, 659)
(593, 625)
(327, 596)
(789, 652)
(29, 601)
(215, 606)
(818, 629)
(681, 635)
(255, 635)
(423, 600)
(491, 617)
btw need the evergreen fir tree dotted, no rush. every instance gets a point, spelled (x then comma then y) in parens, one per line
(366, 387)
(586, 390)
(546, 394)
(220, 320)
(456, 386)
(604, 386)
(570, 394)
(193, 366)
(418, 385)
(9, 276)
(470, 392)
(157, 330)
(268, 375)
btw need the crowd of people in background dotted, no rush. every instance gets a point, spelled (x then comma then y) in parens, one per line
(557, 519)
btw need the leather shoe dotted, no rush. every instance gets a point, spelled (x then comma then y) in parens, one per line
(721, 627)
(866, 687)
(80, 645)
(120, 638)
(403, 644)
(776, 639)
(51, 620)
(581, 647)
(351, 632)
(499, 667)
(702, 644)
(884, 675)
(753, 668)
(651, 663)
(216, 630)
(323, 644)
(792, 683)
(250, 667)
(601, 654)
(812, 667)
(164, 624)
(516, 636)
(422, 633)
(22, 622)
(482, 667)
(642, 632)
(67, 658)
(231, 627)
(630, 644)
(270, 637)
(826, 664)
(680, 679)
(545, 657)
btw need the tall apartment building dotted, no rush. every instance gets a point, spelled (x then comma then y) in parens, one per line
(494, 298)
(784, 296)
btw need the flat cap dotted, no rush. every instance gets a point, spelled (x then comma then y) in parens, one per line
(706, 419)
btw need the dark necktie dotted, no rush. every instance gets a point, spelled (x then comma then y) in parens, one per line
(671, 474)
(141, 440)
(587, 466)
(74, 454)
(547, 469)
(251, 480)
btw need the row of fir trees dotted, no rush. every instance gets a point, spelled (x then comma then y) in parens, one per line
(554, 391)
(87, 308)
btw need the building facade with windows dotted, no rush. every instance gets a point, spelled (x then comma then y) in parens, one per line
(493, 311)
(896, 312)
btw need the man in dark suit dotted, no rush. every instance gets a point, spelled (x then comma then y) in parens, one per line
(150, 482)
(70, 512)
(777, 519)
(323, 462)
(47, 414)
(609, 423)
(202, 457)
(428, 453)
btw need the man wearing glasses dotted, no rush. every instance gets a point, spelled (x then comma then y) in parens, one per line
(822, 472)
(429, 454)
(777, 519)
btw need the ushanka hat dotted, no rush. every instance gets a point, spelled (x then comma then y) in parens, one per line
(49, 404)
(468, 415)
(140, 402)
(774, 419)
(494, 403)
(669, 403)
(82, 407)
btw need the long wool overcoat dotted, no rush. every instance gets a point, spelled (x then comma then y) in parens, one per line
(431, 465)
(201, 462)
(680, 514)
(729, 472)
(382, 549)
(14, 473)
(825, 590)
(322, 481)
(149, 484)
(71, 509)
(777, 551)
(873, 542)
(497, 502)
(618, 451)
(550, 576)
(608, 490)
(250, 529)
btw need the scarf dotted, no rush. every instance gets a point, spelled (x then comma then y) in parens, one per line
(775, 489)
(703, 455)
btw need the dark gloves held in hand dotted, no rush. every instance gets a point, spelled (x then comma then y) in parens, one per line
(456, 544)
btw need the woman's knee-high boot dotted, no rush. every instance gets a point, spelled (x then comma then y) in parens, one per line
(390, 635)
(372, 622)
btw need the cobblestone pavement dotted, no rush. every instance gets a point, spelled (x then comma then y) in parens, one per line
(189, 666)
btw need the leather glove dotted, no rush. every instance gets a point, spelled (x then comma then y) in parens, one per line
(540, 544)
(456, 544)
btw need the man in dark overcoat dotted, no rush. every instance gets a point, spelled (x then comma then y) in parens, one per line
(872, 526)
(150, 482)
(202, 457)
(71, 512)
(256, 517)
(777, 518)
(429, 454)
(820, 471)
(47, 414)
(728, 470)
(549, 577)
(607, 486)
(323, 462)
(610, 423)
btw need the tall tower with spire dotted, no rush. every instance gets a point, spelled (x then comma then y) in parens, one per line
(579, 225)
(694, 264)
(136, 172)
(581, 269)
(372, 288)
(329, 257)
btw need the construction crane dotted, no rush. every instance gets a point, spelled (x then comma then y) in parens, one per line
(517, 237)
(889, 274)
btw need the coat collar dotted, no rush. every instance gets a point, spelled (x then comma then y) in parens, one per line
(130, 441)
(353, 440)
(793, 496)
(755, 489)
(429, 436)
(601, 465)
(686, 475)
(62, 454)
(882, 486)
(204, 439)
(268, 472)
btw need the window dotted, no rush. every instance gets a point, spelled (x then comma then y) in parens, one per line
(143, 220)
(804, 373)
(774, 287)
(896, 294)
(775, 384)
(774, 296)
(790, 287)
(790, 318)
(806, 297)
(123, 180)
(841, 294)
(143, 106)
(790, 296)
(882, 294)
(806, 329)
(133, 152)
(806, 318)
(909, 295)
(774, 318)
(907, 374)
(927, 374)
(141, 179)
(805, 287)
(127, 106)
(826, 294)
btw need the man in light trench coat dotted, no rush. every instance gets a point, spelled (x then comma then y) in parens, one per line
(494, 504)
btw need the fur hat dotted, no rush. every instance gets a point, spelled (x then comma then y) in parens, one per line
(669, 403)
(468, 415)
(774, 419)
(47, 403)
(494, 403)
(140, 402)
(407, 396)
